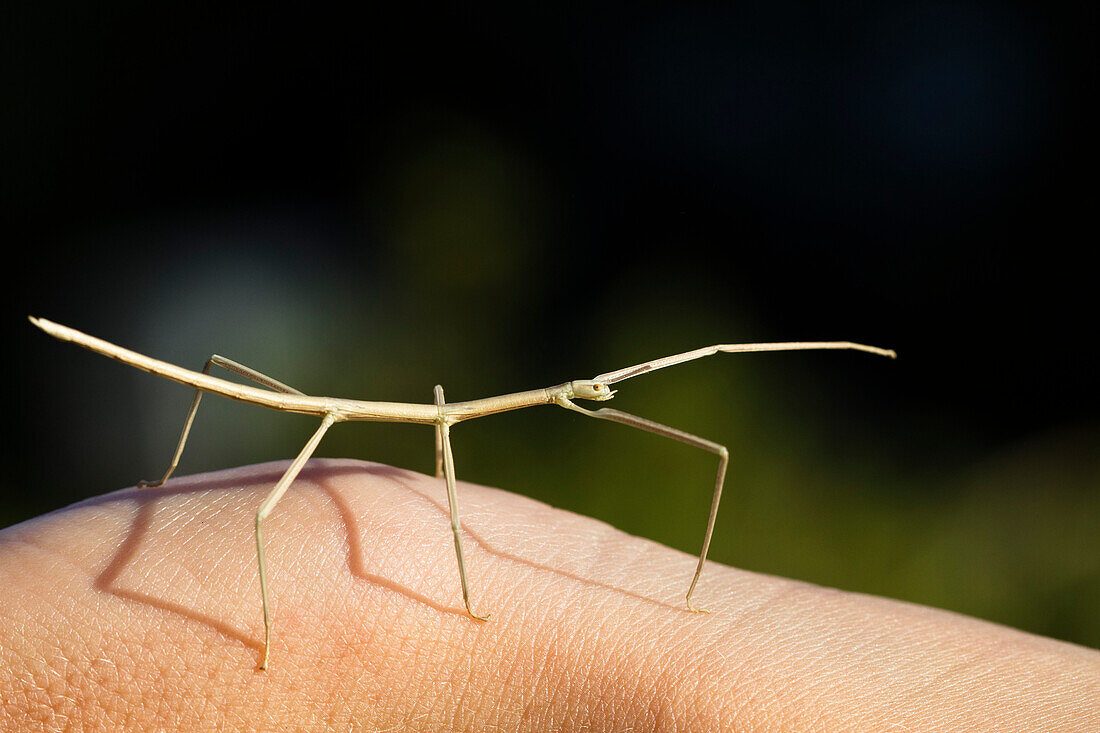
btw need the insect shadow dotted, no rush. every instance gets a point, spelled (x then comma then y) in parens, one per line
(319, 474)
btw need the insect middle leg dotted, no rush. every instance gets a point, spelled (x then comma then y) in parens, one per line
(232, 366)
(443, 442)
(267, 507)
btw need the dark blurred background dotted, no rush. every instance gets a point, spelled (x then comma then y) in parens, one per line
(366, 206)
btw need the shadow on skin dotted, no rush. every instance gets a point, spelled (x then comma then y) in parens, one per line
(319, 474)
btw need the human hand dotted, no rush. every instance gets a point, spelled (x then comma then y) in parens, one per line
(140, 609)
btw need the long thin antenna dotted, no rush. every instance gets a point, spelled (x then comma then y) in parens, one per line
(649, 366)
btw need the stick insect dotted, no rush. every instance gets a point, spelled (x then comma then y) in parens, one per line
(441, 414)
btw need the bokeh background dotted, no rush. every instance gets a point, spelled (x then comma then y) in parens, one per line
(366, 206)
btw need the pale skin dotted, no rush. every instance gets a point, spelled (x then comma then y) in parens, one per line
(278, 396)
(133, 611)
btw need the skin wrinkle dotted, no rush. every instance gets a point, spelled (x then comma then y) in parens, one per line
(691, 693)
(637, 668)
(563, 663)
(63, 682)
(664, 689)
(747, 666)
(907, 655)
(605, 680)
(55, 659)
(411, 682)
(582, 667)
(661, 709)
(537, 676)
(842, 652)
(444, 677)
(693, 709)
(554, 676)
(805, 686)
(947, 673)
(808, 694)
(467, 686)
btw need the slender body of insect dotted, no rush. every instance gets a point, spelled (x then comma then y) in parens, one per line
(441, 414)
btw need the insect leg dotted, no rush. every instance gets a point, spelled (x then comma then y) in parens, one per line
(266, 508)
(663, 430)
(232, 366)
(443, 437)
(439, 438)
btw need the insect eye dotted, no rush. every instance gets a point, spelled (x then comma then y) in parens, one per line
(597, 387)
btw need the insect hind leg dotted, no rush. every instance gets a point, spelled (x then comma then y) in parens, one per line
(224, 363)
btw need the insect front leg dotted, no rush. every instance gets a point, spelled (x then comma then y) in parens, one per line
(656, 428)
